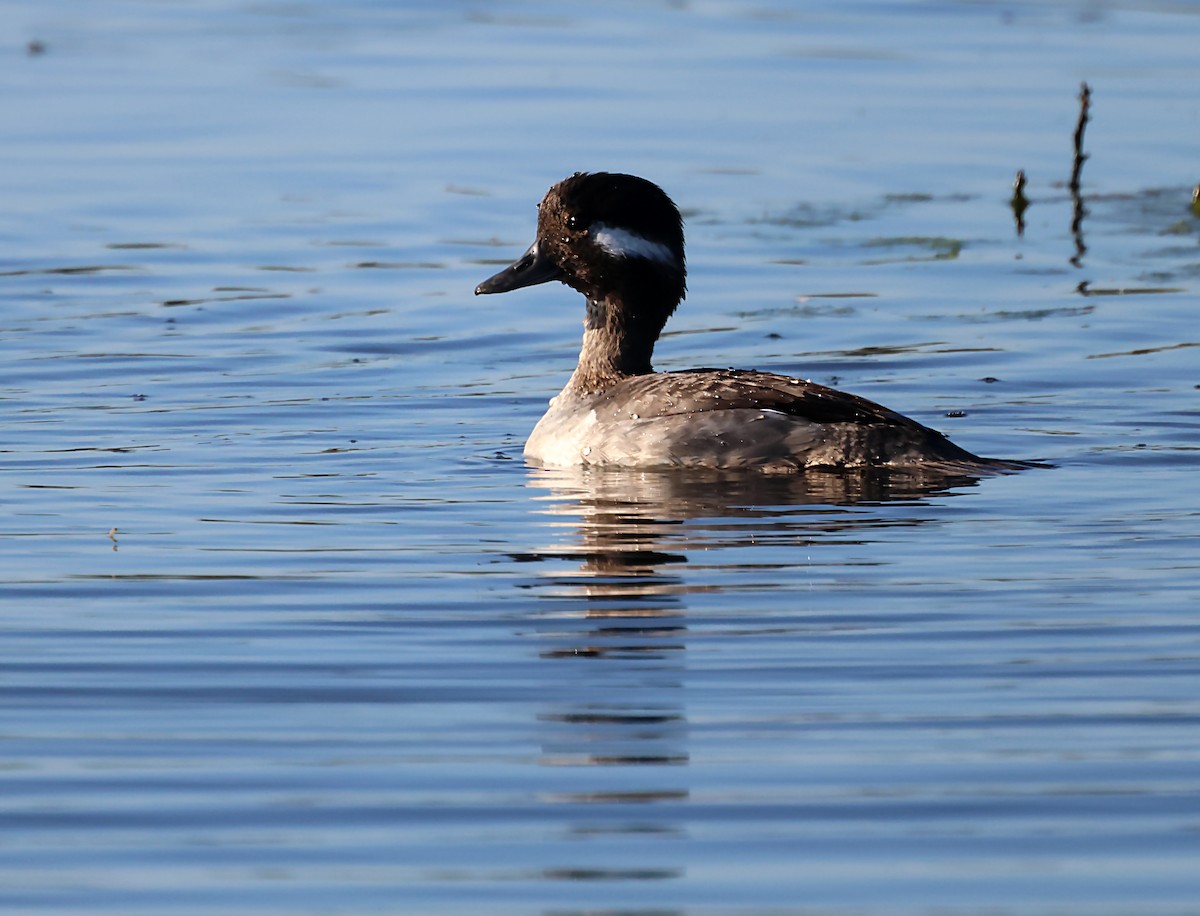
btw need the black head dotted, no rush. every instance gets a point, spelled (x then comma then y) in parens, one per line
(609, 236)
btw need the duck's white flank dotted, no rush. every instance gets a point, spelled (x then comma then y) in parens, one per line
(622, 243)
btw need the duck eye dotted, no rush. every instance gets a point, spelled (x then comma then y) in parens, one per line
(574, 222)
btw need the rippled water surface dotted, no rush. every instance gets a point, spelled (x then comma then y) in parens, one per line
(287, 626)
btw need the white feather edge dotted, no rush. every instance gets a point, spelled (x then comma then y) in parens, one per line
(622, 243)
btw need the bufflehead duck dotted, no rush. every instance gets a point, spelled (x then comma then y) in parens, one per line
(618, 240)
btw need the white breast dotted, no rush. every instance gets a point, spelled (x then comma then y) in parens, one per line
(561, 437)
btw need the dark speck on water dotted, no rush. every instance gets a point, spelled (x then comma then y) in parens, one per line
(342, 651)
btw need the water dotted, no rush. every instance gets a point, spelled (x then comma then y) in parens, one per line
(287, 626)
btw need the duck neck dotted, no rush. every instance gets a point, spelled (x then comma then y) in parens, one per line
(618, 342)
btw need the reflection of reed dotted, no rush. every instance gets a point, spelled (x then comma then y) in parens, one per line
(1020, 203)
(1078, 211)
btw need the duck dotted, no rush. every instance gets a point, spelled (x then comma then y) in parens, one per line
(618, 240)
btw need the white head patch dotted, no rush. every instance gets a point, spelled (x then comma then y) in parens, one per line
(622, 243)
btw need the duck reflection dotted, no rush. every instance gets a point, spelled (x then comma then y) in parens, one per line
(612, 618)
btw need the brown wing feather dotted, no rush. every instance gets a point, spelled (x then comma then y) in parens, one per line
(694, 390)
(832, 428)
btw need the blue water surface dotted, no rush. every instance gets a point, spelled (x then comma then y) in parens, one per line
(287, 625)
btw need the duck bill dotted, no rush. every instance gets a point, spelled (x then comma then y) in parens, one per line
(528, 270)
